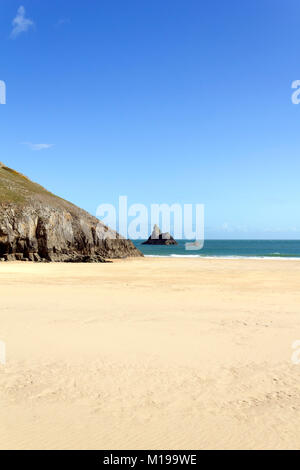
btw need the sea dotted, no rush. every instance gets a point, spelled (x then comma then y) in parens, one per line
(226, 249)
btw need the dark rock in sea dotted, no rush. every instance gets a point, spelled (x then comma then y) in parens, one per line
(159, 238)
(36, 225)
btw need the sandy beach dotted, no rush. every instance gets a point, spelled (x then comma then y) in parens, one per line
(150, 354)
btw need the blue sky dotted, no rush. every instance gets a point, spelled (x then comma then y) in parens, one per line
(163, 101)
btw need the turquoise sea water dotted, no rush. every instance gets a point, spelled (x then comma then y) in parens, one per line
(228, 248)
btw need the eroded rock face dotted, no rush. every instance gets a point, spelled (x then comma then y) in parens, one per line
(43, 227)
(39, 233)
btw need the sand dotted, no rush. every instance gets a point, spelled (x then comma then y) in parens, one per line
(150, 354)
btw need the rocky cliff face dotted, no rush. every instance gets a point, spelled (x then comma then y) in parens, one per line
(35, 225)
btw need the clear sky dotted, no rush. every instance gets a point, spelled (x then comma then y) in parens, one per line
(161, 100)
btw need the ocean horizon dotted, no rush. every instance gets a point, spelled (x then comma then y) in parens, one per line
(289, 249)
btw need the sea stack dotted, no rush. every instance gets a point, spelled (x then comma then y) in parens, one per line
(36, 225)
(159, 238)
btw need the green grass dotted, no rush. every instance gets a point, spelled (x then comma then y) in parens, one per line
(17, 188)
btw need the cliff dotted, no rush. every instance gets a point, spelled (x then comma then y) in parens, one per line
(36, 225)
